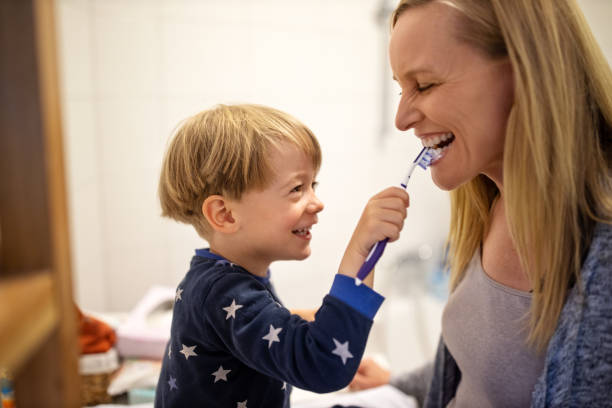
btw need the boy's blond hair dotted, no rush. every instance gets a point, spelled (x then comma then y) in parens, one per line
(225, 150)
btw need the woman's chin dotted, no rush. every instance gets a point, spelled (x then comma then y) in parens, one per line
(444, 183)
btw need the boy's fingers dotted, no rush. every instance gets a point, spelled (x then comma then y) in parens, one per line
(392, 215)
(393, 192)
(391, 202)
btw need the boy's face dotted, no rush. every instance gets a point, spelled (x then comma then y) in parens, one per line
(275, 222)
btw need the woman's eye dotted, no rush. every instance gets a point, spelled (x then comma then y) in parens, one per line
(419, 88)
(423, 88)
(296, 189)
(315, 184)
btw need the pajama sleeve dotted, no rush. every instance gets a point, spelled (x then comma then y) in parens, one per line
(319, 356)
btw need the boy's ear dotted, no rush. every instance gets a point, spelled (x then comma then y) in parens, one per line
(218, 214)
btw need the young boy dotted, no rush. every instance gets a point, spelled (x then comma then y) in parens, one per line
(244, 177)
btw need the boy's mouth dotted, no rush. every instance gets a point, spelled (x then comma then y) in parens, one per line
(302, 232)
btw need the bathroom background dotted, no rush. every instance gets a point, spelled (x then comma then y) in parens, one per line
(132, 69)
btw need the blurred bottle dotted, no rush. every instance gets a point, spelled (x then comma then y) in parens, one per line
(7, 396)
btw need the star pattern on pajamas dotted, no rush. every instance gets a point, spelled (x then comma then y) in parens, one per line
(221, 374)
(172, 383)
(188, 351)
(224, 262)
(342, 350)
(272, 335)
(231, 309)
(217, 297)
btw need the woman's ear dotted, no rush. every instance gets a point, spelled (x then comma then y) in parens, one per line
(218, 214)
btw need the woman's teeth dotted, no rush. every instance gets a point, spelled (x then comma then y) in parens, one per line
(439, 143)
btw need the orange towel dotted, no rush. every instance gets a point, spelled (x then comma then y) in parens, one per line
(95, 336)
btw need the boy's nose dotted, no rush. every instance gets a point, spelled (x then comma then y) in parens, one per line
(315, 204)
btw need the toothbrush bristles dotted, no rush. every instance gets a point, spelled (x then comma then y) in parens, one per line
(425, 158)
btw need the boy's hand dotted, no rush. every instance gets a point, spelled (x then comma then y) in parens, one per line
(383, 217)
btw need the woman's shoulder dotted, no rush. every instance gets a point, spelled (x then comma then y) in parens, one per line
(597, 267)
(590, 302)
(578, 368)
(602, 238)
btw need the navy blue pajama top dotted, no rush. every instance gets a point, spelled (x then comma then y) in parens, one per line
(232, 343)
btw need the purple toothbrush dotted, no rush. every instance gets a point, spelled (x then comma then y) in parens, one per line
(423, 160)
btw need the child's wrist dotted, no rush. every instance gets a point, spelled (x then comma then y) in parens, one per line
(350, 265)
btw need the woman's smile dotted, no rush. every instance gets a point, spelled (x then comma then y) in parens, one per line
(462, 112)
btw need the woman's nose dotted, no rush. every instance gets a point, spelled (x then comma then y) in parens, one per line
(407, 115)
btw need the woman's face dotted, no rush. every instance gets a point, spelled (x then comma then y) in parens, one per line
(451, 91)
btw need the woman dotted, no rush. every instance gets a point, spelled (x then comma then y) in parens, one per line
(519, 97)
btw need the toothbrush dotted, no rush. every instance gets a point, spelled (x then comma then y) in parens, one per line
(423, 160)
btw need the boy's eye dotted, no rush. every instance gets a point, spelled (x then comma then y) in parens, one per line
(300, 187)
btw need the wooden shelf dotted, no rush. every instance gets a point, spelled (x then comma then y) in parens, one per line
(38, 323)
(28, 314)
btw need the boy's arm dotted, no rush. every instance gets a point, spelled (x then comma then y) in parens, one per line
(319, 356)
(383, 217)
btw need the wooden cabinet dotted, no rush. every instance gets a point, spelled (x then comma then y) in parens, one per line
(38, 333)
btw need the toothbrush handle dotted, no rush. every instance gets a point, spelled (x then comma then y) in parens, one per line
(378, 249)
(372, 258)
(423, 160)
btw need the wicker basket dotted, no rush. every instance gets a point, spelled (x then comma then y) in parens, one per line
(96, 371)
(93, 389)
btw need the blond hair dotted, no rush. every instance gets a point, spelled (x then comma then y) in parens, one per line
(225, 150)
(558, 149)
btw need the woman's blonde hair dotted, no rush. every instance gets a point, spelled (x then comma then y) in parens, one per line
(226, 151)
(558, 147)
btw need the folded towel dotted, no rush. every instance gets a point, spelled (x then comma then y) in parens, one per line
(95, 336)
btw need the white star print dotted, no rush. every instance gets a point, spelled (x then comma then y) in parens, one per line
(172, 383)
(188, 351)
(231, 309)
(224, 262)
(272, 335)
(284, 387)
(241, 404)
(177, 296)
(342, 350)
(221, 374)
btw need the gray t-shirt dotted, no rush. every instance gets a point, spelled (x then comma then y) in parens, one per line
(484, 326)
